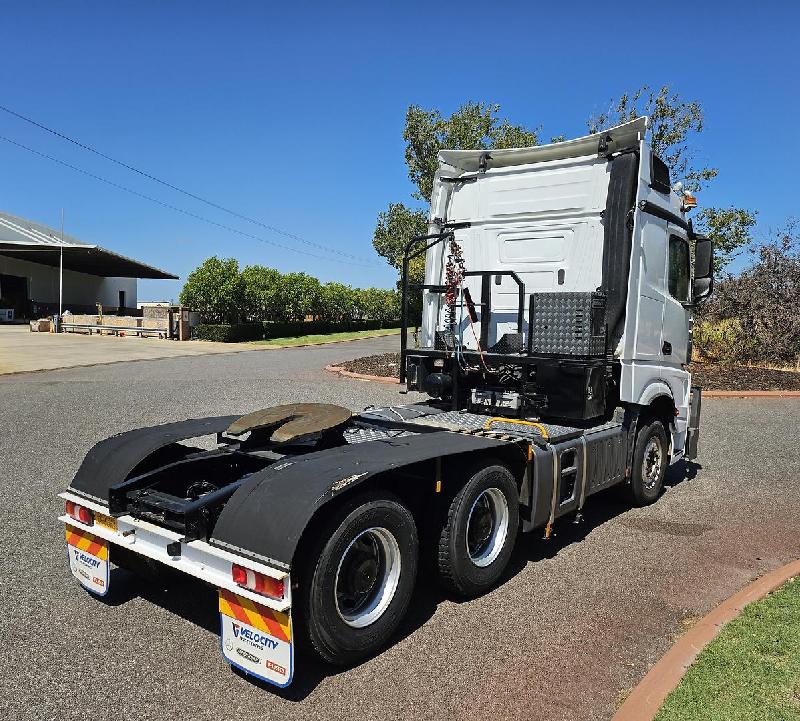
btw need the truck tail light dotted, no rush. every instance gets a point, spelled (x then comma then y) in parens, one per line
(80, 513)
(258, 582)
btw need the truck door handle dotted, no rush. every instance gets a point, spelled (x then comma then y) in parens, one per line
(666, 349)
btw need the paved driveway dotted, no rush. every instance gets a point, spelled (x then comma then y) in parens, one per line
(576, 622)
(21, 350)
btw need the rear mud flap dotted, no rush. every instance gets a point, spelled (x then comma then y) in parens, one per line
(693, 434)
(88, 559)
(256, 639)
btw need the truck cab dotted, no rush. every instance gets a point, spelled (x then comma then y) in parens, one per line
(558, 282)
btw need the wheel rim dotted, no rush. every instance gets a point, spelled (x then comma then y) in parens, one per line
(487, 527)
(651, 463)
(367, 577)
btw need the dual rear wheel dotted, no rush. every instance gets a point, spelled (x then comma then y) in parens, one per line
(477, 536)
(360, 575)
(359, 578)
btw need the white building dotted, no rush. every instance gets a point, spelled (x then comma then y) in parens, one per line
(30, 261)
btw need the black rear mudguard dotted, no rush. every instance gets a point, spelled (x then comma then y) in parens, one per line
(267, 515)
(115, 459)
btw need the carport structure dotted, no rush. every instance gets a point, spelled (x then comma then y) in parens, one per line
(42, 269)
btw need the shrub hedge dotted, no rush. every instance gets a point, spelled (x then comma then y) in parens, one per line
(227, 333)
(223, 294)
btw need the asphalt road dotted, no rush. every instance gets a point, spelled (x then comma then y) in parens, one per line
(576, 622)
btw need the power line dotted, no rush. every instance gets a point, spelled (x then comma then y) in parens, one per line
(175, 207)
(187, 193)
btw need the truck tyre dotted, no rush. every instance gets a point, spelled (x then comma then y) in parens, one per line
(359, 578)
(649, 463)
(478, 534)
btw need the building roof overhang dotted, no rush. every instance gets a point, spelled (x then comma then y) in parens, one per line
(28, 240)
(89, 259)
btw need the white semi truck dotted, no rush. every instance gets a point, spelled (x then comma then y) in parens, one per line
(556, 332)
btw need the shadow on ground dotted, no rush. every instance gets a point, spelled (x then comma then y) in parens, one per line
(196, 602)
(599, 509)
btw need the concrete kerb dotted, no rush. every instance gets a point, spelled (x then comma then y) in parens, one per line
(361, 376)
(649, 695)
(751, 394)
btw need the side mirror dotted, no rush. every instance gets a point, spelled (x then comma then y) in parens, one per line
(703, 283)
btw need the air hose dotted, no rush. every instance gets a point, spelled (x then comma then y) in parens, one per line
(454, 275)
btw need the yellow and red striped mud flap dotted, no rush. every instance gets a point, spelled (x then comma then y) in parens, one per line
(88, 559)
(256, 639)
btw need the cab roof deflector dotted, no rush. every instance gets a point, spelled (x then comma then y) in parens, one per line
(617, 138)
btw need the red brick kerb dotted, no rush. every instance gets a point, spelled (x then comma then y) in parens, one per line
(647, 698)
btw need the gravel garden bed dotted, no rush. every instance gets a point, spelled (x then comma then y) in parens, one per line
(711, 376)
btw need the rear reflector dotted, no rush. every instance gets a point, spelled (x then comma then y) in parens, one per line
(80, 513)
(258, 582)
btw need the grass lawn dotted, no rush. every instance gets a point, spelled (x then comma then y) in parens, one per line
(327, 337)
(751, 671)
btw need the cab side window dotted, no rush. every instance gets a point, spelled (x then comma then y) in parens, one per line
(659, 174)
(679, 268)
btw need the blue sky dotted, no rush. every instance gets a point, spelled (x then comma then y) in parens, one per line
(292, 113)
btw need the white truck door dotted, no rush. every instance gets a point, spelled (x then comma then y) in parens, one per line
(649, 317)
(656, 326)
(676, 316)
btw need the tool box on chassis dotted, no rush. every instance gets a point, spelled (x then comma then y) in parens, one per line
(556, 308)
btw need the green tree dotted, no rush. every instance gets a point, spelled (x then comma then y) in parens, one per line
(216, 290)
(263, 290)
(336, 302)
(729, 228)
(395, 228)
(379, 304)
(300, 296)
(752, 317)
(674, 125)
(389, 308)
(473, 125)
